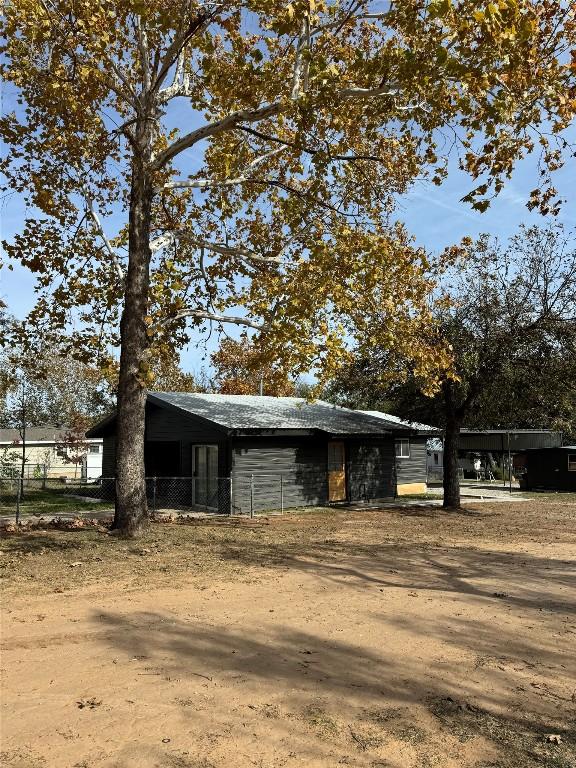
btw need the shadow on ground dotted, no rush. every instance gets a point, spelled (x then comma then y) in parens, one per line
(518, 578)
(374, 697)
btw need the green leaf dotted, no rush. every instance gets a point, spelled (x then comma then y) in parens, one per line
(439, 8)
(441, 55)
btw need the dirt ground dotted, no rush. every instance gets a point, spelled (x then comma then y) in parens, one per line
(405, 638)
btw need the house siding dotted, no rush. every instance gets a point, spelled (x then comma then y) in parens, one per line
(109, 456)
(301, 464)
(370, 470)
(166, 425)
(412, 470)
(259, 464)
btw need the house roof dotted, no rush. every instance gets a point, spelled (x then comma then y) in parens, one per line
(423, 429)
(555, 448)
(504, 431)
(253, 412)
(47, 434)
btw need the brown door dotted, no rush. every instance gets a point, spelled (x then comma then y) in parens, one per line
(336, 472)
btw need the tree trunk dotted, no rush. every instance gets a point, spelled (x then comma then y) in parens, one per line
(453, 418)
(131, 510)
(451, 480)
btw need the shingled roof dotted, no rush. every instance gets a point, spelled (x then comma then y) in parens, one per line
(252, 412)
(47, 434)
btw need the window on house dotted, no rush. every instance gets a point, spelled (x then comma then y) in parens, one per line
(572, 462)
(94, 449)
(436, 459)
(403, 448)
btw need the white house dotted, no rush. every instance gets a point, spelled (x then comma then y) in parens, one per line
(44, 456)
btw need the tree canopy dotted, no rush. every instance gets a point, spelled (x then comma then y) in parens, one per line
(279, 137)
(241, 369)
(192, 163)
(510, 323)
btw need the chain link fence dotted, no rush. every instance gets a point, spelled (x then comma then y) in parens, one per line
(436, 475)
(70, 472)
(244, 494)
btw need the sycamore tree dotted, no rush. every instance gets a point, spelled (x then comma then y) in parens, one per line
(241, 368)
(189, 162)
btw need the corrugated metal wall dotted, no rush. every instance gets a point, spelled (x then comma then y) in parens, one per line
(498, 442)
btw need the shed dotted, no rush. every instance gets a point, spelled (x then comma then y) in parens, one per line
(499, 441)
(551, 468)
(242, 452)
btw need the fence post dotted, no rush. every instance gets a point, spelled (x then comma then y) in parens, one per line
(44, 476)
(18, 486)
(281, 494)
(251, 495)
(231, 512)
(154, 495)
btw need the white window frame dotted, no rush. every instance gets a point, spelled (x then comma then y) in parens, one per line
(572, 462)
(399, 445)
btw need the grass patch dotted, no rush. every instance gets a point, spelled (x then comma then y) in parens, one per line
(320, 720)
(521, 743)
(556, 496)
(53, 501)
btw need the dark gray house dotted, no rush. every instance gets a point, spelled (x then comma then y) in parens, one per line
(246, 452)
(411, 453)
(551, 468)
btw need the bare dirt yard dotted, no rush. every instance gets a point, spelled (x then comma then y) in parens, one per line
(404, 638)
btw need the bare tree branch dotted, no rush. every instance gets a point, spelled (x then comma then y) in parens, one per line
(301, 64)
(176, 48)
(177, 87)
(144, 54)
(210, 183)
(111, 252)
(263, 112)
(307, 150)
(215, 128)
(367, 93)
(170, 238)
(203, 314)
